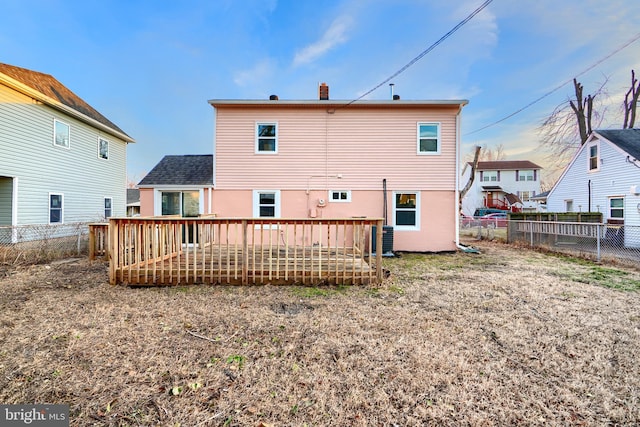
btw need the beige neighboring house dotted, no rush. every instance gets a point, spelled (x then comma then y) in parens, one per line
(62, 161)
(324, 158)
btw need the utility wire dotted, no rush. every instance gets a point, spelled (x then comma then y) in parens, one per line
(426, 51)
(591, 67)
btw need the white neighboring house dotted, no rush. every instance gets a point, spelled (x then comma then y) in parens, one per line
(603, 176)
(502, 184)
(62, 161)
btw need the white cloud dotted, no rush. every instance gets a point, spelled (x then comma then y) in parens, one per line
(335, 35)
(258, 73)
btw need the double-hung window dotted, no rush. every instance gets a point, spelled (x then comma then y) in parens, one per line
(488, 176)
(55, 208)
(266, 138)
(103, 149)
(108, 203)
(616, 208)
(428, 138)
(594, 157)
(61, 134)
(406, 210)
(266, 204)
(526, 175)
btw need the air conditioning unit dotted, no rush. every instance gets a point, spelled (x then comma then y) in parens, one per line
(387, 240)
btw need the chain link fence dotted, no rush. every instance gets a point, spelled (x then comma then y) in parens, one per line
(32, 244)
(591, 240)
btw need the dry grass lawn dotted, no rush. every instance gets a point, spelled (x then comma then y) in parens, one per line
(505, 337)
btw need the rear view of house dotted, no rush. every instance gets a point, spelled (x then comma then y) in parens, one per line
(391, 159)
(62, 161)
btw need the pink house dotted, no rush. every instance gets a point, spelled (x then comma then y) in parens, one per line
(393, 159)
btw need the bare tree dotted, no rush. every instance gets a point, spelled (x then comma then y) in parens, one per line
(570, 124)
(472, 176)
(493, 154)
(631, 102)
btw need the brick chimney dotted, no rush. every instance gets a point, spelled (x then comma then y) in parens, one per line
(323, 92)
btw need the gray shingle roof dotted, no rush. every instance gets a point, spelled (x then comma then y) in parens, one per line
(191, 169)
(627, 139)
(47, 85)
(133, 195)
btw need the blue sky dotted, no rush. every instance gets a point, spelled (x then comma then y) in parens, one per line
(151, 66)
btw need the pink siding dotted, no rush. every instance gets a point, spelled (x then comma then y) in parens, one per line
(361, 143)
(437, 220)
(146, 202)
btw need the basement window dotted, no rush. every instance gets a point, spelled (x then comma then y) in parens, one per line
(406, 211)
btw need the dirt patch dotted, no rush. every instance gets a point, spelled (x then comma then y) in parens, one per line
(508, 336)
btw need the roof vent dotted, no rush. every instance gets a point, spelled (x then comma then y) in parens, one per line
(273, 98)
(323, 92)
(396, 97)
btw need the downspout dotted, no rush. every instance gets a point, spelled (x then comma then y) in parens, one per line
(589, 195)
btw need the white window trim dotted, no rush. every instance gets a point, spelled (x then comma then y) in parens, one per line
(61, 208)
(393, 210)
(157, 197)
(439, 139)
(620, 208)
(68, 146)
(257, 137)
(487, 175)
(566, 205)
(108, 145)
(256, 202)
(597, 168)
(332, 200)
(104, 208)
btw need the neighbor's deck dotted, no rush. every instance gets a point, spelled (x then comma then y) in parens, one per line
(169, 251)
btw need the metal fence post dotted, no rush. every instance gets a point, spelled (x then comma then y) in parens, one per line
(598, 234)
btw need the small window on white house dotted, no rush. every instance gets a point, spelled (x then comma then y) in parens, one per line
(428, 138)
(568, 205)
(488, 176)
(266, 138)
(266, 204)
(594, 157)
(616, 208)
(108, 203)
(406, 211)
(524, 196)
(525, 175)
(55, 208)
(340, 196)
(61, 134)
(103, 148)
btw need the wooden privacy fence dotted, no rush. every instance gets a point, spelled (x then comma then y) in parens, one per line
(163, 251)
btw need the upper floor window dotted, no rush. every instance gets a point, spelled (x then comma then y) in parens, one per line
(488, 176)
(594, 157)
(55, 208)
(103, 148)
(61, 134)
(406, 211)
(428, 138)
(526, 175)
(108, 202)
(266, 138)
(339, 196)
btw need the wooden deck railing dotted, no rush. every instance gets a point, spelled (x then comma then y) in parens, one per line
(162, 251)
(98, 240)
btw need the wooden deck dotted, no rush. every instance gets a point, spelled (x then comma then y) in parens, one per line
(169, 251)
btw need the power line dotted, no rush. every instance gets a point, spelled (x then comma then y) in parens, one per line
(591, 67)
(426, 51)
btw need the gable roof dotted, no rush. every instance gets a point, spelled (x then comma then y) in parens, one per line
(50, 91)
(190, 169)
(627, 140)
(133, 196)
(506, 165)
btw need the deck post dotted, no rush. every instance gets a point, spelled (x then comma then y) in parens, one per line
(379, 250)
(114, 252)
(245, 252)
